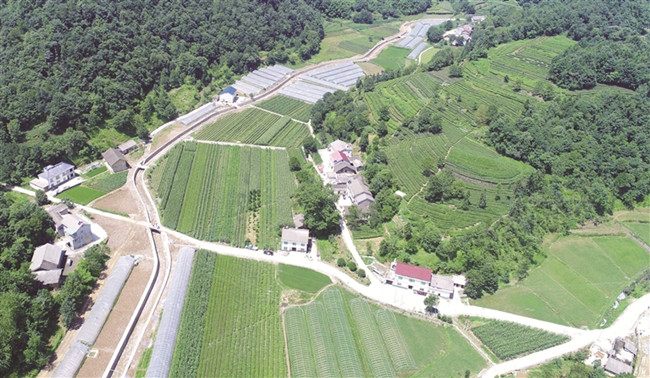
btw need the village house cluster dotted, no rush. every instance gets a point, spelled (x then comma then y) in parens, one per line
(48, 260)
(343, 175)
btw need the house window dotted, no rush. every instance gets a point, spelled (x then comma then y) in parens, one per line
(302, 244)
(293, 243)
(286, 242)
(411, 280)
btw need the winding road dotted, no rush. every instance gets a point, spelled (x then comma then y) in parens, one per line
(152, 300)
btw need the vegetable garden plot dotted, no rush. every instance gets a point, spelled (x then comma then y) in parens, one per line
(288, 106)
(346, 350)
(371, 338)
(211, 187)
(300, 351)
(509, 340)
(397, 348)
(324, 348)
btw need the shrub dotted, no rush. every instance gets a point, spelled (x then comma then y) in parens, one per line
(361, 273)
(340, 262)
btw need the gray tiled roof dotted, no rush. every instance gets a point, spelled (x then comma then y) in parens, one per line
(295, 235)
(51, 171)
(112, 156)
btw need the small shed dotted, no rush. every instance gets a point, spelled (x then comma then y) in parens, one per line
(615, 366)
(49, 278)
(127, 147)
(115, 160)
(442, 286)
(228, 95)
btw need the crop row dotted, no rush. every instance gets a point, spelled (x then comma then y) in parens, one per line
(185, 360)
(243, 332)
(210, 193)
(301, 357)
(509, 340)
(395, 343)
(288, 106)
(256, 126)
(369, 335)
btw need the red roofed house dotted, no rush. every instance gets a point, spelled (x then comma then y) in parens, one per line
(412, 277)
(341, 163)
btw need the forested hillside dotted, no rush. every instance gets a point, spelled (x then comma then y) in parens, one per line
(69, 66)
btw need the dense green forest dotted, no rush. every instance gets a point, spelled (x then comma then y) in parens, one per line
(71, 68)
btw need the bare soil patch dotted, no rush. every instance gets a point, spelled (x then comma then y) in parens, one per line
(122, 201)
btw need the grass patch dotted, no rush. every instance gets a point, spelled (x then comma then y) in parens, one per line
(108, 183)
(510, 340)
(81, 194)
(577, 283)
(392, 58)
(304, 279)
(95, 171)
(640, 229)
(184, 98)
(16, 197)
(143, 365)
(113, 212)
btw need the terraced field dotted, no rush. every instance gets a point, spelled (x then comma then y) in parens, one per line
(340, 334)
(204, 191)
(255, 126)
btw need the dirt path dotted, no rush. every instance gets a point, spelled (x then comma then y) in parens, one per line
(238, 144)
(278, 114)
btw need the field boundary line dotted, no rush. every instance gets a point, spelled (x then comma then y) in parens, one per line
(594, 284)
(278, 114)
(220, 143)
(284, 334)
(472, 343)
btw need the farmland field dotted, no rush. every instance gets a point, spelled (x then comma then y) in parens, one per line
(237, 331)
(288, 106)
(641, 230)
(340, 334)
(295, 277)
(256, 126)
(100, 183)
(510, 340)
(204, 191)
(577, 283)
(392, 58)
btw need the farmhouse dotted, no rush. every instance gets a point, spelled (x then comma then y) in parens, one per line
(340, 146)
(464, 31)
(295, 240)
(57, 212)
(359, 193)
(54, 175)
(442, 286)
(357, 163)
(616, 367)
(412, 277)
(47, 257)
(126, 147)
(228, 95)
(115, 160)
(77, 231)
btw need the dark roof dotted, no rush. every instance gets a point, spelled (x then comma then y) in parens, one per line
(617, 367)
(413, 271)
(630, 347)
(112, 156)
(51, 171)
(229, 90)
(126, 146)
(46, 257)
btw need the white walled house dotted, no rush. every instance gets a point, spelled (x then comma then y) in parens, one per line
(54, 175)
(77, 231)
(228, 95)
(412, 277)
(294, 240)
(340, 146)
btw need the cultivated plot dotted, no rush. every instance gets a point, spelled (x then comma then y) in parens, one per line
(206, 191)
(342, 335)
(577, 283)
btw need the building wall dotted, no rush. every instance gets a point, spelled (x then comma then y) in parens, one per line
(61, 178)
(119, 166)
(287, 245)
(227, 97)
(442, 293)
(405, 282)
(82, 237)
